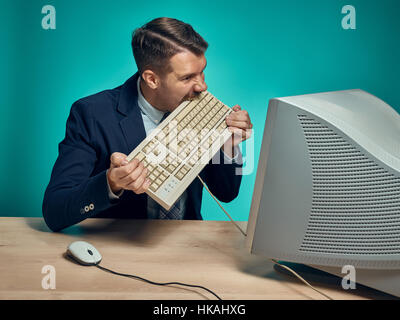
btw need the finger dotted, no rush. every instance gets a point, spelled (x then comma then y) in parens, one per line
(248, 134)
(118, 159)
(236, 108)
(239, 115)
(240, 134)
(135, 185)
(125, 170)
(144, 187)
(134, 175)
(238, 124)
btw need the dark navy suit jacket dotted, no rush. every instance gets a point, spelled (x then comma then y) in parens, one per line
(98, 125)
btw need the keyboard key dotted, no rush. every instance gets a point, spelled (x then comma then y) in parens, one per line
(171, 168)
(179, 175)
(163, 176)
(140, 156)
(154, 187)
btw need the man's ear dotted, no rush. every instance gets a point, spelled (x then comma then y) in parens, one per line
(151, 79)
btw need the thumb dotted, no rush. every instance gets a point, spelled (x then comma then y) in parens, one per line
(236, 108)
(118, 159)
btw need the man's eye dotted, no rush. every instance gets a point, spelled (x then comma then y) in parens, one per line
(186, 79)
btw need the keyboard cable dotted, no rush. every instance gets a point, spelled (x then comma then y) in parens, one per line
(237, 226)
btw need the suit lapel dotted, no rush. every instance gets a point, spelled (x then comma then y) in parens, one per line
(132, 124)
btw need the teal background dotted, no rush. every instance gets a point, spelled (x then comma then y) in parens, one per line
(258, 50)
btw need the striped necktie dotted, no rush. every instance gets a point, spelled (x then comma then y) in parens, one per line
(176, 212)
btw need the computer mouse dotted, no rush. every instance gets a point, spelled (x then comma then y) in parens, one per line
(84, 253)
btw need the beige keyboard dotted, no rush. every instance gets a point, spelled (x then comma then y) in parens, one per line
(181, 146)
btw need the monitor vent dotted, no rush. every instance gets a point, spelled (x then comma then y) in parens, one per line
(356, 202)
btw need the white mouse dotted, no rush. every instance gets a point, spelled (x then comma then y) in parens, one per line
(84, 253)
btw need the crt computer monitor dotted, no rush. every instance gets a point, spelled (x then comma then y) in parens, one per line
(327, 191)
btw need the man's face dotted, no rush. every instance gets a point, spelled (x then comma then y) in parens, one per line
(185, 81)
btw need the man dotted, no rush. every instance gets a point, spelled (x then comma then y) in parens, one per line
(91, 176)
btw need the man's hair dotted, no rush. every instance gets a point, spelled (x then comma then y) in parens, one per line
(160, 39)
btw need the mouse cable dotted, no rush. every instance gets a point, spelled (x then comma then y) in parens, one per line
(273, 260)
(155, 283)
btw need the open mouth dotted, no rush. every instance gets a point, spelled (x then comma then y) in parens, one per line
(191, 98)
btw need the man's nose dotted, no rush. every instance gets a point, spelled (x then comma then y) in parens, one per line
(200, 85)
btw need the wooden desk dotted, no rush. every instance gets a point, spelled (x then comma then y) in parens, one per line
(207, 253)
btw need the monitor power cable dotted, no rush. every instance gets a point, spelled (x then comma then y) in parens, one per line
(273, 260)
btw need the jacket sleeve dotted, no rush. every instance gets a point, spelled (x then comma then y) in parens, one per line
(73, 194)
(223, 178)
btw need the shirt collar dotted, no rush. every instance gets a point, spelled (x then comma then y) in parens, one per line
(154, 114)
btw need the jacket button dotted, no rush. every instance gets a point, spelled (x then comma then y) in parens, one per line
(87, 209)
(82, 211)
(91, 206)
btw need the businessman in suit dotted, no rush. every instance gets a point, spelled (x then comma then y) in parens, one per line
(91, 177)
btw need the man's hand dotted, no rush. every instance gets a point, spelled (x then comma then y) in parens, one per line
(127, 175)
(239, 124)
